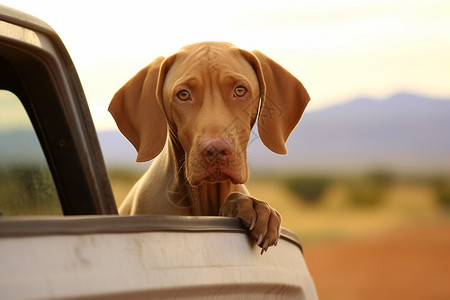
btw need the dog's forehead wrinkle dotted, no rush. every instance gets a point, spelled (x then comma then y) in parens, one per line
(216, 72)
(207, 47)
(209, 56)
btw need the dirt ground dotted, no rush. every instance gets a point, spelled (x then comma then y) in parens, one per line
(408, 263)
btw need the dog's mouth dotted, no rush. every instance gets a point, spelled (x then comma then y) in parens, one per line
(216, 173)
(213, 175)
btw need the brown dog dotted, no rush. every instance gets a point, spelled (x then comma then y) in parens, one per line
(196, 110)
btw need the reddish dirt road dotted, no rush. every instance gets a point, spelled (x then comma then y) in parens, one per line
(410, 263)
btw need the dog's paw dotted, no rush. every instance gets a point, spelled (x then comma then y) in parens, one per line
(262, 221)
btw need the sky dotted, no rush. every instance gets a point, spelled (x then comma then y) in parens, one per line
(340, 50)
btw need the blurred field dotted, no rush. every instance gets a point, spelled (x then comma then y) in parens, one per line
(411, 262)
(365, 236)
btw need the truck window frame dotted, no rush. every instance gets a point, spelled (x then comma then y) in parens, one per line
(44, 78)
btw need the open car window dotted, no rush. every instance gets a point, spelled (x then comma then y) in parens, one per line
(26, 183)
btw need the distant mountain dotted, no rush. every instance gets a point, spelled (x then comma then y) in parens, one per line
(405, 132)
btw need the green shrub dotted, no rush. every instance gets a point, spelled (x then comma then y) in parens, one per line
(441, 185)
(368, 190)
(309, 188)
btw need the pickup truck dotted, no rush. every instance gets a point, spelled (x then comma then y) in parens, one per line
(60, 234)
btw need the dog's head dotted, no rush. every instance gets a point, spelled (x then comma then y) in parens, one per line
(209, 95)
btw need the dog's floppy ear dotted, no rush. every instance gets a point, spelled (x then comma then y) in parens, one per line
(138, 112)
(283, 100)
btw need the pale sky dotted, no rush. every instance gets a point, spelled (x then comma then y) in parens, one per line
(340, 50)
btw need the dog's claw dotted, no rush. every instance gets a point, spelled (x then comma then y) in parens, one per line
(252, 225)
(263, 250)
(259, 241)
(265, 246)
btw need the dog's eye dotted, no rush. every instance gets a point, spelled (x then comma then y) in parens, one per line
(240, 91)
(184, 95)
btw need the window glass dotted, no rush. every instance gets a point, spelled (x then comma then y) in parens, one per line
(26, 184)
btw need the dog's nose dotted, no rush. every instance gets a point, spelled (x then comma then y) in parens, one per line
(216, 150)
